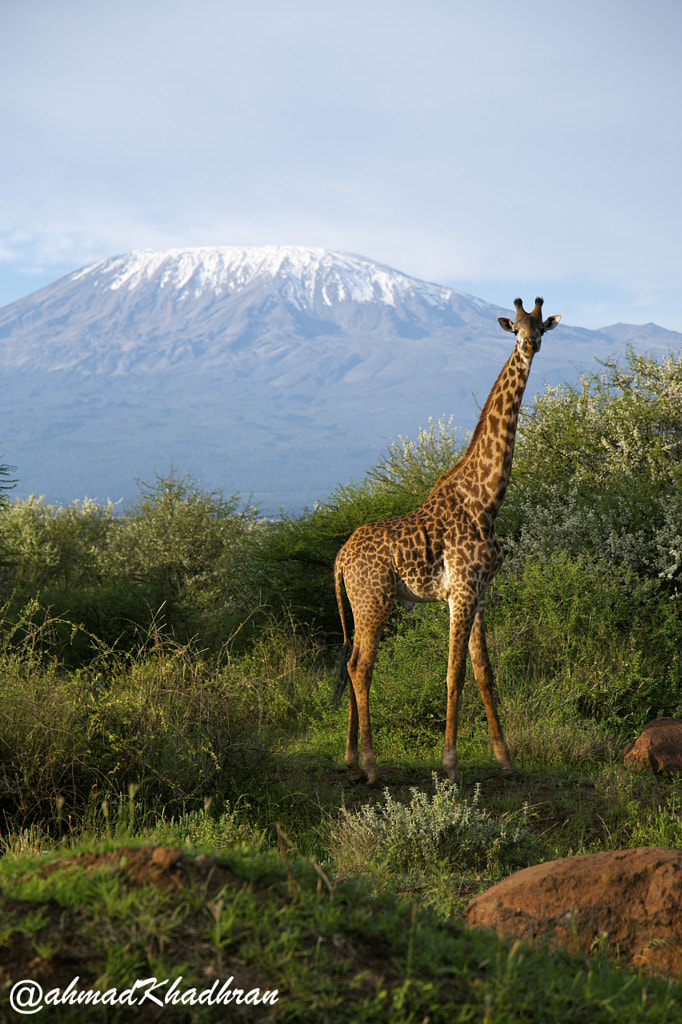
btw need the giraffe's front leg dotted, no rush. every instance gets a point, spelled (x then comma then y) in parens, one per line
(478, 649)
(461, 618)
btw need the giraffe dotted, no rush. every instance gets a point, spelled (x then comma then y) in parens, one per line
(446, 550)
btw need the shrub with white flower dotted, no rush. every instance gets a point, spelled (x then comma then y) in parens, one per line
(430, 832)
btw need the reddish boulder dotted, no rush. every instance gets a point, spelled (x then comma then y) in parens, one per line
(658, 748)
(626, 902)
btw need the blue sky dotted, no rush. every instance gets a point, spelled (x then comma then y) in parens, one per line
(502, 148)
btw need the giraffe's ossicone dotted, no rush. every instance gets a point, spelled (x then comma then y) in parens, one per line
(446, 550)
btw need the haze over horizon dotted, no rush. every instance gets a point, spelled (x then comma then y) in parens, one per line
(493, 148)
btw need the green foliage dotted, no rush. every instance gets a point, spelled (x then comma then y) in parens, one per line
(168, 722)
(285, 671)
(184, 542)
(54, 545)
(661, 826)
(428, 833)
(622, 425)
(173, 726)
(598, 468)
(43, 722)
(178, 553)
(605, 639)
(201, 830)
(408, 687)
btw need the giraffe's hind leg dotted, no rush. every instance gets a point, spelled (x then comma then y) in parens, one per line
(368, 629)
(352, 758)
(360, 669)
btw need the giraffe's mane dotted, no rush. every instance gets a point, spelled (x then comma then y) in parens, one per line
(478, 430)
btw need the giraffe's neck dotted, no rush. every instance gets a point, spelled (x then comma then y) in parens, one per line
(482, 474)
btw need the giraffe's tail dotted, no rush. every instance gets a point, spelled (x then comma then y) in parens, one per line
(342, 676)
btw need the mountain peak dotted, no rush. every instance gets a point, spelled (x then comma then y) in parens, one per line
(305, 277)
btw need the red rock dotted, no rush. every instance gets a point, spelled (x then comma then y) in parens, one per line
(658, 747)
(627, 902)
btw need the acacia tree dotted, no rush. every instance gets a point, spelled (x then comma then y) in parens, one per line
(187, 548)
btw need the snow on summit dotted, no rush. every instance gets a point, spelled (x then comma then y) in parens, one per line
(302, 275)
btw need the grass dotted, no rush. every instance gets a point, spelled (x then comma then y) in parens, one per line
(284, 875)
(273, 922)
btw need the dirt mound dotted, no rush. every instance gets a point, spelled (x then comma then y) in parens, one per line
(658, 748)
(165, 866)
(626, 902)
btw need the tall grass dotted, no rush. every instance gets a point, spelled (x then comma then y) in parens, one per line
(174, 723)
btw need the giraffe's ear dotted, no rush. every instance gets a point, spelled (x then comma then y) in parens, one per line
(505, 323)
(551, 322)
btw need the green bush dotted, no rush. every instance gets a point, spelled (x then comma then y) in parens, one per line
(409, 689)
(660, 828)
(168, 722)
(285, 670)
(607, 642)
(183, 540)
(205, 831)
(178, 555)
(598, 469)
(43, 725)
(50, 544)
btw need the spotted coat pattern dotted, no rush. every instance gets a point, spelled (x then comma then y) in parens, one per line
(446, 550)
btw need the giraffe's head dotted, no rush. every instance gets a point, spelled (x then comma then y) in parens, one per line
(528, 327)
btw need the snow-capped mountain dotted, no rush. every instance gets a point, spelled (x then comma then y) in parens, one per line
(277, 372)
(149, 311)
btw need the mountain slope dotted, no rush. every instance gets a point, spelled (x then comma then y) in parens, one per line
(277, 372)
(148, 311)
